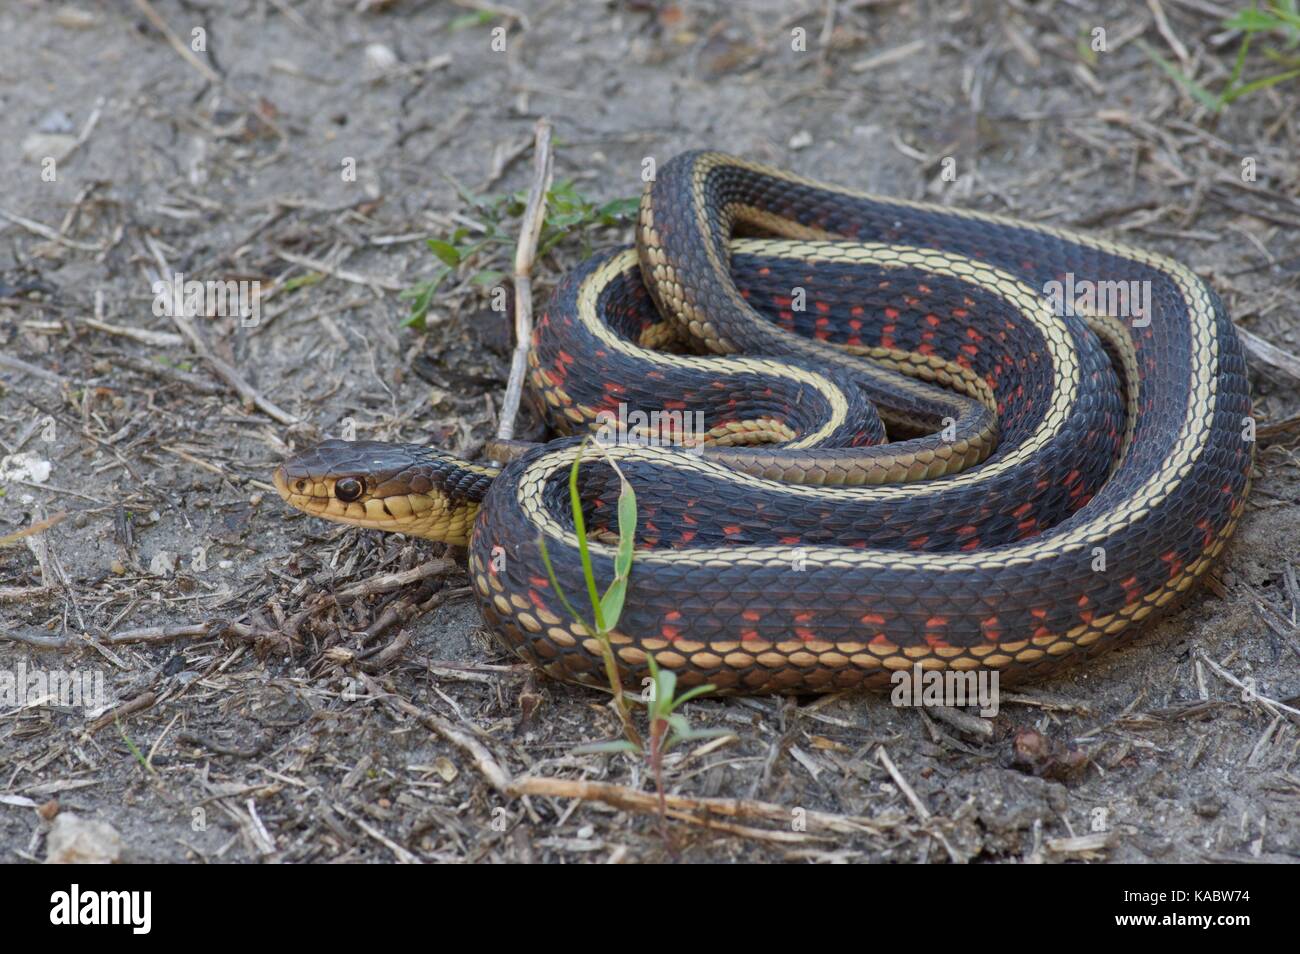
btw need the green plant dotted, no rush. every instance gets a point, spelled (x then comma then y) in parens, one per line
(474, 252)
(1281, 18)
(667, 726)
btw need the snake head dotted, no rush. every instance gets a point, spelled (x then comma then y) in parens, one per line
(404, 488)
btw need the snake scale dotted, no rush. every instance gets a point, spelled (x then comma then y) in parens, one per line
(892, 444)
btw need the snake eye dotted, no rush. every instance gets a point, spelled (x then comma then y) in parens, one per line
(348, 489)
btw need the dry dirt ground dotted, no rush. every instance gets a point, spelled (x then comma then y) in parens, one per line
(271, 698)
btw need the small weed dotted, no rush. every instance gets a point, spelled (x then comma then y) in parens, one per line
(1281, 19)
(472, 254)
(668, 727)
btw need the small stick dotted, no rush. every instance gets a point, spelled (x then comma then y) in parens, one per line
(324, 268)
(917, 805)
(18, 364)
(486, 764)
(35, 528)
(143, 701)
(525, 252)
(384, 582)
(158, 339)
(687, 808)
(1269, 353)
(185, 53)
(46, 232)
(185, 325)
(158, 634)
(1248, 691)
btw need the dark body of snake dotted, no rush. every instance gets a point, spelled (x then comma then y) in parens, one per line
(1053, 481)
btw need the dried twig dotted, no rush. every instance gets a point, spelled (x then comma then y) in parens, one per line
(530, 231)
(1269, 353)
(700, 811)
(141, 702)
(17, 364)
(484, 761)
(39, 527)
(224, 370)
(385, 582)
(1250, 692)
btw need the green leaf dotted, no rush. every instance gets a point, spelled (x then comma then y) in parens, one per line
(301, 281)
(449, 253)
(665, 686)
(479, 18)
(1193, 88)
(679, 724)
(690, 694)
(584, 550)
(615, 745)
(1260, 84)
(550, 572)
(611, 604)
(626, 528)
(619, 210)
(489, 276)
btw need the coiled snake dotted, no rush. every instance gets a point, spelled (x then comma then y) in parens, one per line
(1057, 472)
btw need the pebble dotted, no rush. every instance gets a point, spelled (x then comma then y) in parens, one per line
(40, 146)
(75, 18)
(76, 840)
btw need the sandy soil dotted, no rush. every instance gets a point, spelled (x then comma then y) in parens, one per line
(282, 705)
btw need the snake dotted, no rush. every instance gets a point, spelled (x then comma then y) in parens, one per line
(866, 436)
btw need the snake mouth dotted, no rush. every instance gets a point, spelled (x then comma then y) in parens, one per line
(401, 488)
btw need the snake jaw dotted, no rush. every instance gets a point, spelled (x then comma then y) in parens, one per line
(404, 488)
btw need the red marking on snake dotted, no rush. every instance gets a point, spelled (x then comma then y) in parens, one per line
(1175, 564)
